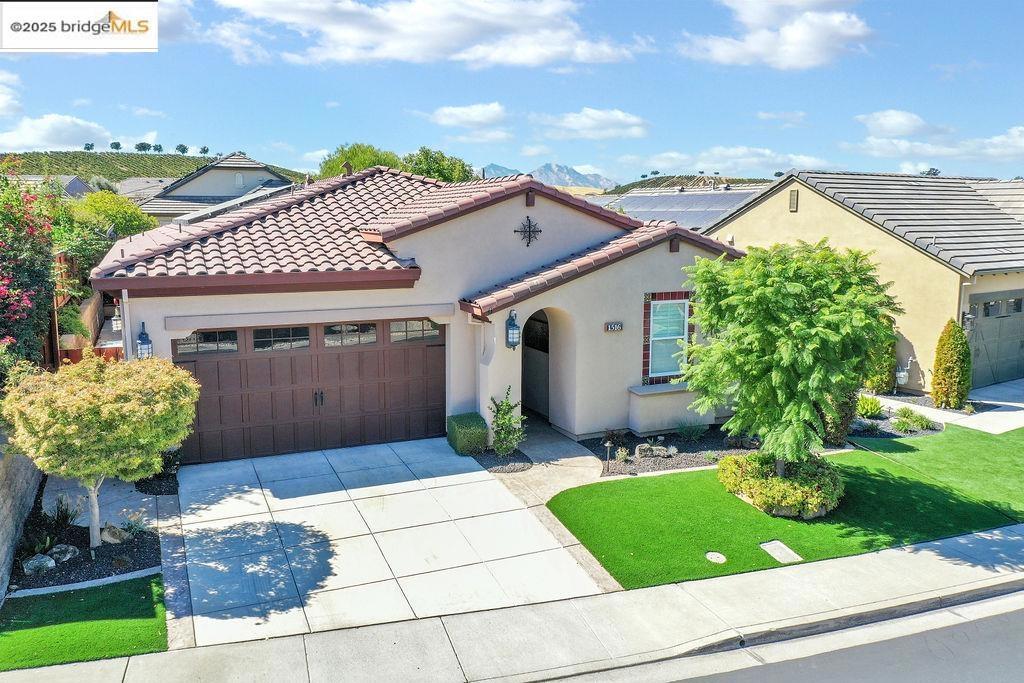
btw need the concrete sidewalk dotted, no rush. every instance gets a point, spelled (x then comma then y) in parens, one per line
(606, 631)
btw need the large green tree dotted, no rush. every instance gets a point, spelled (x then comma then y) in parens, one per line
(424, 161)
(360, 155)
(434, 163)
(105, 209)
(788, 332)
(97, 419)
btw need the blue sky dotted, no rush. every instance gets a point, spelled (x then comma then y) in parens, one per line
(744, 87)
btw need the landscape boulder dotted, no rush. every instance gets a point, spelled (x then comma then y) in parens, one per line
(114, 534)
(63, 552)
(37, 564)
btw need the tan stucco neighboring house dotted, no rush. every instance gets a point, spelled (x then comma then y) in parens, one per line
(229, 177)
(952, 247)
(368, 307)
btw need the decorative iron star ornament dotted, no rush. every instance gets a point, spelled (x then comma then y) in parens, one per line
(529, 231)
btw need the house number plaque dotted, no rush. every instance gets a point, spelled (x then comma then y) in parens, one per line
(613, 327)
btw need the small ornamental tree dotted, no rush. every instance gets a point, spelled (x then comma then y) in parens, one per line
(507, 424)
(98, 419)
(787, 334)
(951, 376)
(881, 373)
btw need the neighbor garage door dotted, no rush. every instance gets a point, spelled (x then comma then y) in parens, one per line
(997, 341)
(276, 390)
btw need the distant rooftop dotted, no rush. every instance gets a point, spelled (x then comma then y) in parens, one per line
(690, 208)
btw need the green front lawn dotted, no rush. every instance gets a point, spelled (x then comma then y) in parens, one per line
(125, 618)
(988, 467)
(653, 530)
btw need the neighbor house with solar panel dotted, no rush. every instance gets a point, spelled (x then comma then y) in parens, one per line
(952, 247)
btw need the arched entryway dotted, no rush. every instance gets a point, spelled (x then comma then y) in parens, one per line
(536, 364)
(548, 377)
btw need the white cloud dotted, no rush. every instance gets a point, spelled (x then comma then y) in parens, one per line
(10, 99)
(787, 119)
(894, 123)
(282, 146)
(176, 21)
(588, 169)
(143, 111)
(243, 40)
(478, 33)
(783, 34)
(469, 116)
(534, 150)
(332, 104)
(593, 124)
(914, 167)
(81, 102)
(736, 160)
(1007, 146)
(483, 135)
(316, 155)
(60, 131)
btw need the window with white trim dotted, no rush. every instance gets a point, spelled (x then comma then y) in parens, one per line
(669, 323)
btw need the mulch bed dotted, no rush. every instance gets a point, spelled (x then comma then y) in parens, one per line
(925, 401)
(165, 483)
(140, 552)
(492, 462)
(887, 431)
(707, 450)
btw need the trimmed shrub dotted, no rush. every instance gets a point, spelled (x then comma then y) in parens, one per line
(909, 421)
(467, 433)
(869, 407)
(691, 432)
(881, 378)
(811, 488)
(507, 424)
(951, 376)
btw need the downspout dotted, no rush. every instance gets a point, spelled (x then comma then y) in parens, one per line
(126, 326)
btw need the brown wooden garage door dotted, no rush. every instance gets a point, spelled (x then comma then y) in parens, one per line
(282, 389)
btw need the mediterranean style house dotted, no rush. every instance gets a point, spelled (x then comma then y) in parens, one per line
(953, 248)
(229, 177)
(368, 307)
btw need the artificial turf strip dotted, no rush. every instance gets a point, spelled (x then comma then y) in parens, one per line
(119, 619)
(988, 467)
(653, 530)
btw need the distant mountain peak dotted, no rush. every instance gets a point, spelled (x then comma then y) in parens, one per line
(497, 170)
(567, 176)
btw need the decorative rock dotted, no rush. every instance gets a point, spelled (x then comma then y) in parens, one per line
(746, 442)
(37, 564)
(114, 534)
(645, 450)
(63, 552)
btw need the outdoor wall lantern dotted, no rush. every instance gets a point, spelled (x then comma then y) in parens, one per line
(115, 322)
(143, 345)
(968, 322)
(513, 333)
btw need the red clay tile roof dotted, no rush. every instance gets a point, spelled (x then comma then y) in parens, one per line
(554, 274)
(452, 199)
(310, 230)
(336, 225)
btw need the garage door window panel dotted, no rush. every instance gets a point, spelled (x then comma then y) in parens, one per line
(216, 341)
(413, 331)
(350, 334)
(280, 338)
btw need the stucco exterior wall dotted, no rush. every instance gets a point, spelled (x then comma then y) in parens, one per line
(220, 182)
(457, 258)
(928, 290)
(591, 371)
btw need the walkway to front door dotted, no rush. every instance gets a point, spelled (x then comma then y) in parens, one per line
(348, 537)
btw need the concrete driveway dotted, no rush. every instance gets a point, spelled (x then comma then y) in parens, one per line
(349, 537)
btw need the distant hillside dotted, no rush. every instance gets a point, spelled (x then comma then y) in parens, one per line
(497, 170)
(679, 181)
(116, 166)
(567, 176)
